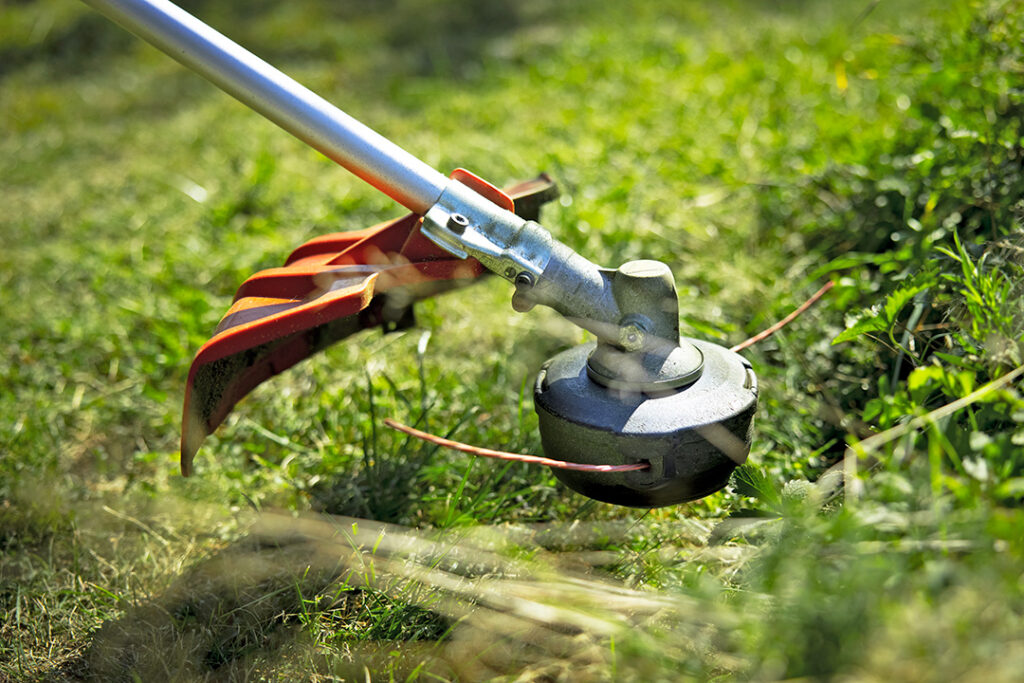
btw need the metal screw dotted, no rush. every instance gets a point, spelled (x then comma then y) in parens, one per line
(632, 335)
(524, 280)
(458, 223)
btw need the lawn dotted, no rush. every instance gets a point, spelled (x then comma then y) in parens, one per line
(759, 148)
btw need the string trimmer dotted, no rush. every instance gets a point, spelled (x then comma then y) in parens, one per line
(679, 410)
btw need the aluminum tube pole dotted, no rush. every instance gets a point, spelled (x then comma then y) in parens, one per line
(281, 99)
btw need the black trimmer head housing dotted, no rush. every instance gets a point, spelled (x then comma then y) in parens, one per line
(692, 437)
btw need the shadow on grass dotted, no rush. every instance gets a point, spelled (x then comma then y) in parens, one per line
(67, 50)
(427, 37)
(250, 608)
(384, 487)
(302, 597)
(384, 491)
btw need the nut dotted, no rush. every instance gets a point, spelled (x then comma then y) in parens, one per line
(632, 336)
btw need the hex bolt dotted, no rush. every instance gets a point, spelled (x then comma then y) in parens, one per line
(458, 223)
(632, 334)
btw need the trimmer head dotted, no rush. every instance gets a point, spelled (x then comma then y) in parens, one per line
(692, 437)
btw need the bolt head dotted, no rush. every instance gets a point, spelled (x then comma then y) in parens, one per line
(631, 337)
(524, 279)
(458, 223)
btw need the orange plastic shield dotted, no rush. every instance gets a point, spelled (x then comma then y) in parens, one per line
(329, 288)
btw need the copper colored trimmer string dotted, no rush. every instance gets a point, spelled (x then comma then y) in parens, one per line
(502, 455)
(785, 321)
(577, 466)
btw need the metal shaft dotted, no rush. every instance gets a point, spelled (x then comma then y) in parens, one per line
(281, 99)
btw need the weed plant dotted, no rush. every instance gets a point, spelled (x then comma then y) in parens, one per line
(758, 148)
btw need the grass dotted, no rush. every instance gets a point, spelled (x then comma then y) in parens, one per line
(757, 148)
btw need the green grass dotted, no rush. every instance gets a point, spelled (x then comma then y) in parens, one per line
(759, 148)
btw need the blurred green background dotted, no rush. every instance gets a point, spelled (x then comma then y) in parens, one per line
(758, 148)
